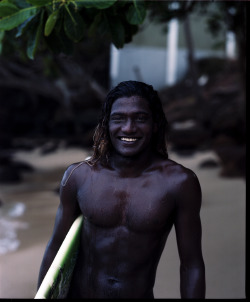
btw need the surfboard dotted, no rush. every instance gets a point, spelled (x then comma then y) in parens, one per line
(56, 282)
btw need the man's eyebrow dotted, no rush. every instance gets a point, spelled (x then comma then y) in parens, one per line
(143, 112)
(117, 114)
(124, 113)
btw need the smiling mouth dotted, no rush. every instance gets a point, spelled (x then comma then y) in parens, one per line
(129, 139)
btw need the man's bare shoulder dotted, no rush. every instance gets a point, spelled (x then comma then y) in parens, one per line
(184, 183)
(74, 170)
(169, 165)
(178, 172)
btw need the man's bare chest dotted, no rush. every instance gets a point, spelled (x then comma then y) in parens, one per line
(138, 203)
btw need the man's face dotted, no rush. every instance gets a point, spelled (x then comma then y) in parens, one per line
(130, 126)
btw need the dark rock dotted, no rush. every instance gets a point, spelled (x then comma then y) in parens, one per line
(49, 147)
(21, 166)
(9, 175)
(188, 137)
(233, 160)
(209, 163)
(218, 115)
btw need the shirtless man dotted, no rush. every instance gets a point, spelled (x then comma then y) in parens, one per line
(130, 195)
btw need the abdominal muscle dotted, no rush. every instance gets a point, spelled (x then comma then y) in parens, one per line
(116, 263)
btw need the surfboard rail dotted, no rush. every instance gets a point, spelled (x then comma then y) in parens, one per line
(56, 282)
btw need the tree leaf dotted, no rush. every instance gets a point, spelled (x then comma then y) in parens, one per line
(2, 33)
(136, 12)
(50, 23)
(95, 24)
(12, 21)
(39, 3)
(7, 9)
(19, 3)
(23, 27)
(74, 25)
(100, 4)
(58, 42)
(34, 37)
(117, 31)
(118, 35)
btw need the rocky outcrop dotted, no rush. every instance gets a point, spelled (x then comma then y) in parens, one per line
(216, 120)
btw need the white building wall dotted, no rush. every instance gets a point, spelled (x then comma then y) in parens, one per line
(161, 59)
(147, 64)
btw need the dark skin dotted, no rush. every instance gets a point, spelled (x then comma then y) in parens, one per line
(129, 209)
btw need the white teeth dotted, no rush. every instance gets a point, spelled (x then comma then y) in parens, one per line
(127, 139)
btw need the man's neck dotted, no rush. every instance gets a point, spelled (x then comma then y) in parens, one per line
(131, 166)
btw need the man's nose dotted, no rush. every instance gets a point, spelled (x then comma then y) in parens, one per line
(128, 126)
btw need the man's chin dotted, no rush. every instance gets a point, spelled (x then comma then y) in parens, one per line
(128, 154)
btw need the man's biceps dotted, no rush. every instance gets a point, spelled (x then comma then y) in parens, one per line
(187, 223)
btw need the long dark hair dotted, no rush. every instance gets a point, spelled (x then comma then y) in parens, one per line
(102, 144)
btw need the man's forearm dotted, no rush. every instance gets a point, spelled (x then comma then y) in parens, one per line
(48, 258)
(193, 285)
(43, 270)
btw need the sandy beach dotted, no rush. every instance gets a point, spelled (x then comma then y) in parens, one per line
(27, 218)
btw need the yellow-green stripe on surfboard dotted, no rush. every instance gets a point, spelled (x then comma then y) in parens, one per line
(56, 282)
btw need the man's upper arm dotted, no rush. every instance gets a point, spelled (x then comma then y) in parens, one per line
(188, 234)
(66, 213)
(68, 208)
(187, 220)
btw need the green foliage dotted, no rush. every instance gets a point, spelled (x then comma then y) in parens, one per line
(7, 9)
(1, 39)
(35, 35)
(51, 22)
(59, 24)
(74, 25)
(136, 13)
(100, 4)
(39, 2)
(16, 18)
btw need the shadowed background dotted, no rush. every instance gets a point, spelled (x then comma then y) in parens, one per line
(49, 109)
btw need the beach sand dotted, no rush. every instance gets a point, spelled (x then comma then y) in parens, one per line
(35, 200)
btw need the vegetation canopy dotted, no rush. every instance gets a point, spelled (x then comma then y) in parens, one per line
(58, 24)
(34, 26)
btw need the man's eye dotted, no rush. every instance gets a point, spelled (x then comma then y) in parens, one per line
(141, 118)
(116, 118)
